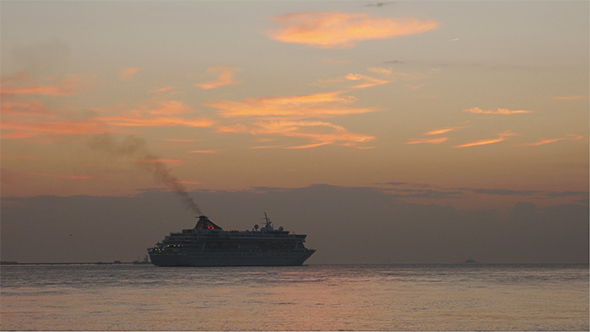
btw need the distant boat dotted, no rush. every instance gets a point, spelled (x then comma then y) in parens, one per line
(470, 261)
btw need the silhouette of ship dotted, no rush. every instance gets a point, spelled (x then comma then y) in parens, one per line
(470, 261)
(207, 244)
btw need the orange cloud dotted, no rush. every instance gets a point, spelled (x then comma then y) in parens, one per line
(343, 30)
(548, 141)
(367, 81)
(501, 137)
(501, 111)
(441, 131)
(575, 137)
(63, 127)
(319, 132)
(379, 70)
(225, 77)
(543, 142)
(65, 87)
(140, 121)
(164, 89)
(294, 107)
(127, 73)
(171, 107)
(429, 141)
(25, 108)
(571, 98)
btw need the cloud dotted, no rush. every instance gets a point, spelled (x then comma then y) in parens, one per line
(142, 121)
(501, 137)
(285, 117)
(379, 4)
(25, 108)
(343, 30)
(429, 141)
(543, 142)
(441, 131)
(67, 86)
(171, 107)
(571, 98)
(164, 89)
(367, 81)
(501, 111)
(225, 77)
(553, 140)
(23, 129)
(317, 132)
(321, 105)
(127, 74)
(379, 70)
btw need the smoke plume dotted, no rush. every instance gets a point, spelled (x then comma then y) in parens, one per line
(136, 148)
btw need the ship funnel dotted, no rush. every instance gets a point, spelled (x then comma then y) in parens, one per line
(205, 223)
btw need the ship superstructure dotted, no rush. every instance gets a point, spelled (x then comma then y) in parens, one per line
(207, 244)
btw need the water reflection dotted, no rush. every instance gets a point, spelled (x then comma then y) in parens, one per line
(316, 297)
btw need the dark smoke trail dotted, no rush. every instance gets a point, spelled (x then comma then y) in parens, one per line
(136, 147)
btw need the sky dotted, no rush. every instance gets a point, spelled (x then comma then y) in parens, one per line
(430, 117)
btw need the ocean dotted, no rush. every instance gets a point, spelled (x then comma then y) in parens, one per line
(310, 297)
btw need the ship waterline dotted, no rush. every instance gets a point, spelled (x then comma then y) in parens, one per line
(209, 245)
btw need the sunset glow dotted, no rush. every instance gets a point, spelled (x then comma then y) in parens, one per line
(234, 96)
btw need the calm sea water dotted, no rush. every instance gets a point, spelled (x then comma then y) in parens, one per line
(314, 297)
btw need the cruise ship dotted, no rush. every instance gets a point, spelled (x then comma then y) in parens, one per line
(207, 244)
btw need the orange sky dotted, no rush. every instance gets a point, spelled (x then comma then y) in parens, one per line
(298, 93)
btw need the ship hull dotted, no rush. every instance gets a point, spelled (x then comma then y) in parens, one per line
(235, 258)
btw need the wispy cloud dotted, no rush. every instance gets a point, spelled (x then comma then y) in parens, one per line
(501, 137)
(225, 77)
(365, 81)
(127, 74)
(22, 129)
(318, 132)
(380, 70)
(543, 142)
(571, 98)
(142, 121)
(500, 111)
(428, 141)
(25, 108)
(293, 117)
(343, 30)
(553, 140)
(164, 89)
(171, 107)
(67, 86)
(441, 131)
(321, 105)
